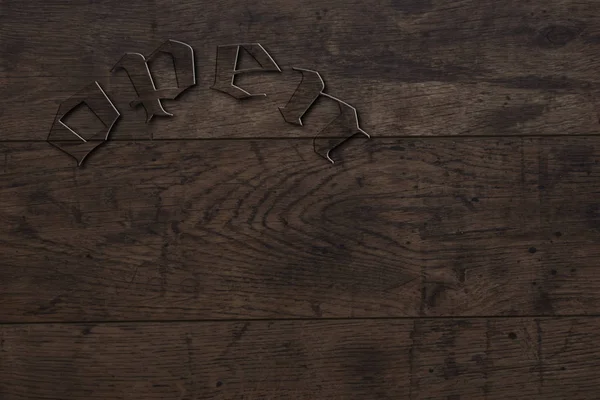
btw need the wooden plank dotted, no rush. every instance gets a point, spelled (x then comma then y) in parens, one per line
(31, 105)
(268, 229)
(486, 39)
(410, 68)
(549, 359)
(386, 109)
(65, 38)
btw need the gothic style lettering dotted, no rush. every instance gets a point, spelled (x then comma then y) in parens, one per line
(346, 123)
(136, 66)
(226, 68)
(308, 91)
(310, 88)
(71, 142)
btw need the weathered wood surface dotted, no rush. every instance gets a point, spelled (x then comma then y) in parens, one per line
(514, 358)
(425, 68)
(268, 229)
(436, 39)
(386, 109)
(214, 255)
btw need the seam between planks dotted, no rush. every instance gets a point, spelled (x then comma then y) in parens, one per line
(428, 137)
(230, 320)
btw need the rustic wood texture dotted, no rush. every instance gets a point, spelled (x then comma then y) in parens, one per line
(214, 255)
(411, 68)
(545, 359)
(268, 229)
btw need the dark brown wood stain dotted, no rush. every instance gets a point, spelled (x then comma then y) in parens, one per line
(214, 255)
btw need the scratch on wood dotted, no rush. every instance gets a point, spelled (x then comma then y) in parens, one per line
(190, 361)
(256, 151)
(182, 390)
(542, 182)
(488, 357)
(540, 356)
(238, 335)
(566, 345)
(299, 153)
(411, 357)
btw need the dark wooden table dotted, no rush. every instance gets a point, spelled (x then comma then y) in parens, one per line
(214, 255)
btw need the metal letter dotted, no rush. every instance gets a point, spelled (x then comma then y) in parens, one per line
(226, 68)
(308, 91)
(310, 88)
(136, 66)
(347, 120)
(69, 141)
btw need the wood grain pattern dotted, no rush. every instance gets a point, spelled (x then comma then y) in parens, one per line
(214, 255)
(436, 39)
(386, 109)
(473, 68)
(267, 229)
(546, 359)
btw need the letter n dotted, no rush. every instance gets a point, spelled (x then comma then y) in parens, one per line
(340, 129)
